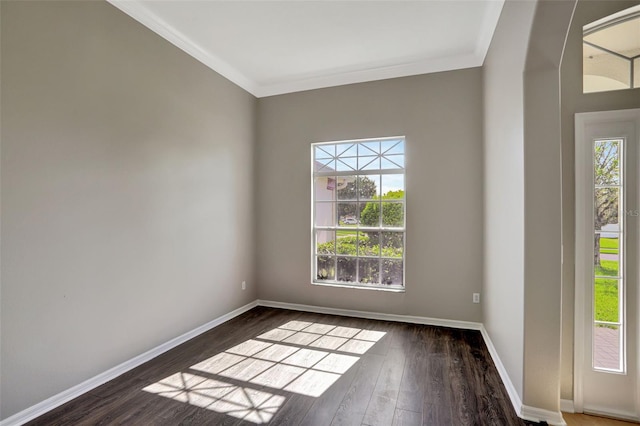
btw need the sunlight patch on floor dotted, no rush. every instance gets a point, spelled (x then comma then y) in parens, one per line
(256, 406)
(297, 357)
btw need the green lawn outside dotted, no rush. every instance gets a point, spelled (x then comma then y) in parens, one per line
(606, 300)
(344, 233)
(609, 245)
(608, 268)
(606, 290)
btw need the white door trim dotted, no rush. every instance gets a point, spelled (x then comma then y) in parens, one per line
(583, 230)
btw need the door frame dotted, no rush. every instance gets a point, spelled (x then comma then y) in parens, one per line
(583, 250)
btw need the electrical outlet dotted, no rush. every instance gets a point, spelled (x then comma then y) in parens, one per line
(476, 297)
(244, 285)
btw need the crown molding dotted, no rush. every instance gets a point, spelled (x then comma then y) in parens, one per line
(371, 74)
(140, 13)
(137, 10)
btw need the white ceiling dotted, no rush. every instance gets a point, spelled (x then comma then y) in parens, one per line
(275, 47)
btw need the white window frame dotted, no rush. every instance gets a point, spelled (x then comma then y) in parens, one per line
(336, 227)
(621, 278)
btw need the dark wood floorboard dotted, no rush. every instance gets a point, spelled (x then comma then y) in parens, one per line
(413, 375)
(382, 404)
(407, 418)
(324, 407)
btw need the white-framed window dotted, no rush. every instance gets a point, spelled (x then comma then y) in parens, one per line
(358, 220)
(609, 254)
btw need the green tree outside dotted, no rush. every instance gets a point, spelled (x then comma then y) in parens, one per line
(392, 212)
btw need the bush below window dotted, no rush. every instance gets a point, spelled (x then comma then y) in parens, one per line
(392, 245)
(368, 269)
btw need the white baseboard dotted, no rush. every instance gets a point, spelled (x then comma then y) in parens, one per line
(65, 396)
(566, 406)
(615, 414)
(539, 415)
(468, 325)
(524, 411)
(511, 390)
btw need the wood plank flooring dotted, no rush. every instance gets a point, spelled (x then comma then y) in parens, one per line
(308, 369)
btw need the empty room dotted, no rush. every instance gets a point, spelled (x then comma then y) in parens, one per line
(319, 212)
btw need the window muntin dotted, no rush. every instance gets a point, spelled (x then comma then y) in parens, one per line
(359, 213)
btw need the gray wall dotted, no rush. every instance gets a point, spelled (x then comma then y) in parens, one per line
(503, 289)
(127, 194)
(441, 116)
(574, 101)
(129, 213)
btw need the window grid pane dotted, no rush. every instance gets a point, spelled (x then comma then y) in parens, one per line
(608, 267)
(359, 213)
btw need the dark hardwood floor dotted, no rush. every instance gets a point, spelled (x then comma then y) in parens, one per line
(334, 371)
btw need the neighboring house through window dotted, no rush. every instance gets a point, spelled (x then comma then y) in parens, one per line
(359, 213)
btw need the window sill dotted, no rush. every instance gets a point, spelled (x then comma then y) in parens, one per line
(361, 287)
